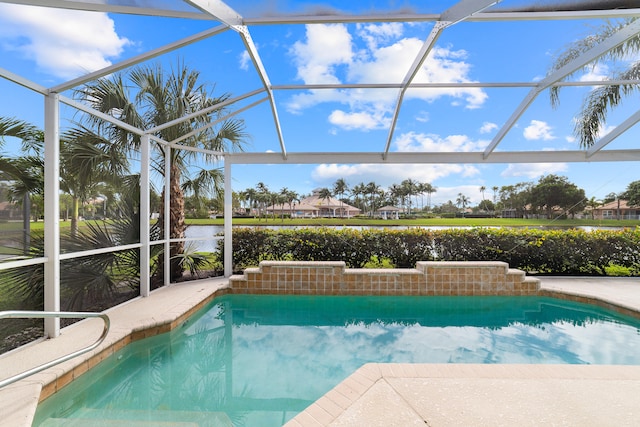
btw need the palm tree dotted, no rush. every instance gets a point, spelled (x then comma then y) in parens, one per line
(495, 193)
(340, 187)
(359, 190)
(372, 189)
(251, 196)
(147, 97)
(325, 194)
(289, 196)
(86, 162)
(410, 188)
(462, 201)
(593, 203)
(262, 197)
(601, 100)
(395, 193)
(482, 190)
(429, 189)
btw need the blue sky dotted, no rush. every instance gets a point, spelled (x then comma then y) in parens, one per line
(51, 46)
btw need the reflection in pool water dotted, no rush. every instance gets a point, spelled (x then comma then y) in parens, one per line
(259, 360)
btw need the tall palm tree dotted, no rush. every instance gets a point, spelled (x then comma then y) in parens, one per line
(251, 196)
(149, 96)
(262, 196)
(462, 201)
(325, 194)
(357, 191)
(289, 196)
(482, 190)
(372, 189)
(429, 189)
(88, 161)
(410, 188)
(395, 193)
(595, 108)
(340, 187)
(495, 193)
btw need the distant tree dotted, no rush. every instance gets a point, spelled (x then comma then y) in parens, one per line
(495, 194)
(486, 206)
(410, 188)
(340, 187)
(554, 191)
(357, 191)
(262, 197)
(429, 189)
(394, 194)
(289, 196)
(632, 194)
(482, 190)
(593, 203)
(462, 201)
(610, 197)
(372, 190)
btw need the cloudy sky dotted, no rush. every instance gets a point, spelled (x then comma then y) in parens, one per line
(51, 46)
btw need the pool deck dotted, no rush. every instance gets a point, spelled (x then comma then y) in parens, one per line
(376, 394)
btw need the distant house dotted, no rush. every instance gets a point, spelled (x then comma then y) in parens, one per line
(315, 206)
(618, 209)
(388, 212)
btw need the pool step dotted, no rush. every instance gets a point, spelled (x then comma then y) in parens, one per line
(139, 418)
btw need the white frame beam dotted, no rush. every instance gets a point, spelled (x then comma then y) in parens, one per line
(451, 16)
(569, 156)
(52, 213)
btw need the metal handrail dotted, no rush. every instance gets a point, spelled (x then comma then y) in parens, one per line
(15, 314)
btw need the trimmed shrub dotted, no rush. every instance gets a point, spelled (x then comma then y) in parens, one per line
(575, 252)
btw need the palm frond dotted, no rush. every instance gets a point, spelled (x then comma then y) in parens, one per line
(624, 50)
(593, 116)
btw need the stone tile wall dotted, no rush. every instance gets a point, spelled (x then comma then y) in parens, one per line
(428, 278)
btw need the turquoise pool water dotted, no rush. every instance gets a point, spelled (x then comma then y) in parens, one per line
(259, 360)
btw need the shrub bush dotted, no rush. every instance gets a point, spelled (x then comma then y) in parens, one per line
(575, 252)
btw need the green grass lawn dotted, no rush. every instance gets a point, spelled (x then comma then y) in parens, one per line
(7, 227)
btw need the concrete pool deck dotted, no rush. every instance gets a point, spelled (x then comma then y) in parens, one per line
(376, 394)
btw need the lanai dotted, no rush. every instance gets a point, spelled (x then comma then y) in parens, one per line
(224, 18)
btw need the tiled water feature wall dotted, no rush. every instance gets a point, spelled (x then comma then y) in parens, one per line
(428, 278)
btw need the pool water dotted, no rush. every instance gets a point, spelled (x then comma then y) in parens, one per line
(259, 360)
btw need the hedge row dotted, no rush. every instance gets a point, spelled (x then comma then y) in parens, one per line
(542, 251)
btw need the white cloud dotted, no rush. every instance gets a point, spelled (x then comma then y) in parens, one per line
(599, 71)
(65, 43)
(387, 174)
(245, 60)
(374, 34)
(488, 127)
(423, 116)
(533, 170)
(420, 142)
(604, 130)
(376, 53)
(537, 130)
(325, 47)
(359, 120)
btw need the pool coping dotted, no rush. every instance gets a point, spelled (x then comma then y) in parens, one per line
(169, 306)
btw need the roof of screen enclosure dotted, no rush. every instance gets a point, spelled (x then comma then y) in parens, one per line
(239, 16)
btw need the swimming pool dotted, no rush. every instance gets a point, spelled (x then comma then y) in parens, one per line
(259, 360)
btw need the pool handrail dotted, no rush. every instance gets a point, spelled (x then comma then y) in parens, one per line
(22, 314)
